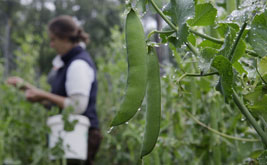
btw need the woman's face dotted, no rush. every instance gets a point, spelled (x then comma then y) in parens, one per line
(61, 46)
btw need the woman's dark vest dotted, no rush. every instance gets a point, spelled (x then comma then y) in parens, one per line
(59, 81)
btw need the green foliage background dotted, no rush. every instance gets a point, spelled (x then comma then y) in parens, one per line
(182, 140)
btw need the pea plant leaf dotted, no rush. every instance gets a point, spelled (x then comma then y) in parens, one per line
(159, 3)
(180, 11)
(142, 4)
(239, 68)
(263, 68)
(239, 51)
(257, 101)
(206, 56)
(226, 47)
(164, 36)
(207, 43)
(192, 39)
(257, 35)
(205, 15)
(224, 67)
(223, 28)
(246, 10)
(263, 158)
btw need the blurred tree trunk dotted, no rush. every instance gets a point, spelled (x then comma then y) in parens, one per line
(6, 47)
(159, 27)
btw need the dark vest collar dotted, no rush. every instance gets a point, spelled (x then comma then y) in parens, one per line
(70, 54)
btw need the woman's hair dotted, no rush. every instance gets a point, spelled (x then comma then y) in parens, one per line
(64, 27)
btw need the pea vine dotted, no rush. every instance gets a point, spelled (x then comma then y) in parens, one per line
(24, 130)
(238, 44)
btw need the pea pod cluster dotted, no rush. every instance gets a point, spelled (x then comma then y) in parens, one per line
(153, 104)
(137, 69)
(143, 79)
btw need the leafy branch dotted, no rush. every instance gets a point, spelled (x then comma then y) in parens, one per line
(262, 79)
(195, 75)
(163, 15)
(160, 32)
(205, 36)
(263, 122)
(219, 41)
(217, 132)
(236, 99)
(192, 48)
(250, 118)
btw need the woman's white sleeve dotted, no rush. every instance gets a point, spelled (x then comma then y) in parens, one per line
(79, 79)
(78, 102)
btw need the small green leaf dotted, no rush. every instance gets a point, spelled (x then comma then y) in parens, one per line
(164, 36)
(263, 158)
(256, 95)
(142, 4)
(180, 11)
(173, 40)
(263, 67)
(226, 47)
(192, 39)
(239, 51)
(205, 15)
(207, 54)
(258, 100)
(159, 3)
(239, 68)
(223, 28)
(257, 35)
(224, 67)
(167, 10)
(208, 43)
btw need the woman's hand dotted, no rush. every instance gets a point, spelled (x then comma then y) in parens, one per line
(34, 94)
(19, 82)
(15, 81)
(38, 95)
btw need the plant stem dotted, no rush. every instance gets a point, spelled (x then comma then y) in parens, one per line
(263, 122)
(194, 51)
(214, 122)
(250, 118)
(192, 48)
(163, 16)
(160, 32)
(230, 56)
(217, 132)
(218, 41)
(262, 79)
(252, 53)
(196, 75)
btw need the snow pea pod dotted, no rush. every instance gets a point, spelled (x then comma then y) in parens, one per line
(137, 69)
(153, 104)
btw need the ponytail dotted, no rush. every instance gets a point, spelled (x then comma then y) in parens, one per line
(64, 27)
(82, 35)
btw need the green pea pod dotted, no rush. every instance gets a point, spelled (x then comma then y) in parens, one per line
(137, 69)
(153, 105)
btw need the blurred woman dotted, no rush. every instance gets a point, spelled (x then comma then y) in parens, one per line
(73, 81)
